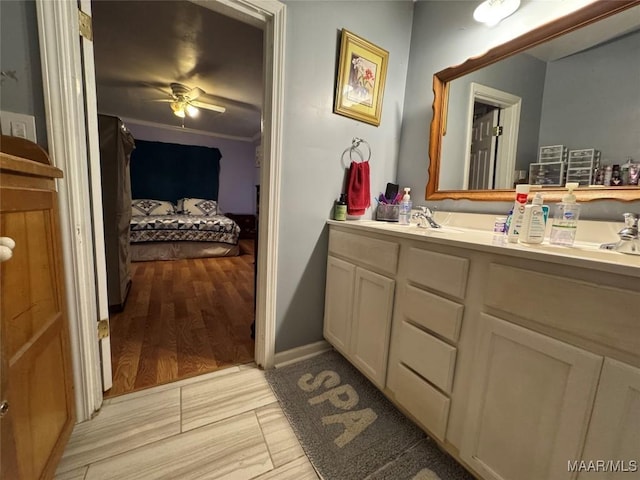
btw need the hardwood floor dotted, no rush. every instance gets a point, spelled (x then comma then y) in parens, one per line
(183, 318)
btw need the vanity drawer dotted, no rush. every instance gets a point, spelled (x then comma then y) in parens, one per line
(432, 312)
(427, 356)
(427, 405)
(602, 315)
(438, 271)
(376, 254)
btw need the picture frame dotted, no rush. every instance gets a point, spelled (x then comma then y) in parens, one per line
(362, 72)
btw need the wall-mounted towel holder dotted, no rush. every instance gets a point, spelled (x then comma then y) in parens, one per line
(355, 144)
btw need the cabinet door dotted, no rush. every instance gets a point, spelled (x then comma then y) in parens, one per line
(529, 405)
(338, 303)
(371, 324)
(614, 431)
(34, 334)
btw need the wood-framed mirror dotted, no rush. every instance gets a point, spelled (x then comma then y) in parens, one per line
(437, 188)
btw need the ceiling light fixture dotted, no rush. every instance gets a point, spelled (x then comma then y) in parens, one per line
(182, 108)
(491, 12)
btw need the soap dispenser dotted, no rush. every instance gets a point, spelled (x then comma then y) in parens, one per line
(565, 219)
(404, 217)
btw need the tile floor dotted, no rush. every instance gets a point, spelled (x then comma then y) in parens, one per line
(224, 425)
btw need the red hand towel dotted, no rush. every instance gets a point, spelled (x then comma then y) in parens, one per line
(358, 196)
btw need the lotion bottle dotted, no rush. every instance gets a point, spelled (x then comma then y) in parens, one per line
(522, 191)
(533, 222)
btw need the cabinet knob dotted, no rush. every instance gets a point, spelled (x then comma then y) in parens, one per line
(6, 248)
(4, 408)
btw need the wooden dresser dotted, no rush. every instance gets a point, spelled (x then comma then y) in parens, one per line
(37, 413)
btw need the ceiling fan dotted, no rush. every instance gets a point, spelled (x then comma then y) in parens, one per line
(185, 101)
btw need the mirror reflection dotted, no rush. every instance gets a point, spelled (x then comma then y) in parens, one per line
(565, 110)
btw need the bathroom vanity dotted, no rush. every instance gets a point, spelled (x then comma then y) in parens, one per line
(520, 360)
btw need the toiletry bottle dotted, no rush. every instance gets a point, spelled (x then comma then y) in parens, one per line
(340, 208)
(565, 220)
(634, 173)
(616, 176)
(608, 171)
(533, 222)
(405, 208)
(518, 212)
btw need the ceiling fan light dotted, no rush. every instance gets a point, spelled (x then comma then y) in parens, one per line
(179, 112)
(191, 110)
(491, 12)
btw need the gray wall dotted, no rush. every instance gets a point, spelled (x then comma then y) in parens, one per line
(314, 139)
(444, 34)
(521, 75)
(592, 100)
(237, 166)
(20, 53)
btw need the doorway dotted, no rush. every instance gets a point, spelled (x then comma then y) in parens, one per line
(491, 163)
(68, 133)
(190, 305)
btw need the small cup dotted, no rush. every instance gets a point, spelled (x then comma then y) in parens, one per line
(500, 225)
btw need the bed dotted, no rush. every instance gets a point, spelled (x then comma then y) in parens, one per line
(193, 228)
(174, 211)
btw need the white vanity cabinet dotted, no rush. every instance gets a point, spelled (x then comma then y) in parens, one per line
(426, 326)
(523, 365)
(530, 402)
(614, 431)
(543, 335)
(359, 300)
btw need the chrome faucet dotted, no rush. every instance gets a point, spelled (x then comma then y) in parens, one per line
(629, 238)
(425, 217)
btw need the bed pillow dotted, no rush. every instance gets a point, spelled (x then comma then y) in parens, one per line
(198, 206)
(145, 206)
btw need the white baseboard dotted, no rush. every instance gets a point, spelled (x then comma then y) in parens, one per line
(301, 353)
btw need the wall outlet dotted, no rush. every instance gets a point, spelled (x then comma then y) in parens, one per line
(18, 125)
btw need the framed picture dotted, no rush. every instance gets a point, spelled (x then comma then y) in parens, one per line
(361, 75)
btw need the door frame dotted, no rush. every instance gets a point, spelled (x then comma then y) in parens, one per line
(63, 88)
(508, 144)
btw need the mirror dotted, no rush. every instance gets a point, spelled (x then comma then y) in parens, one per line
(458, 89)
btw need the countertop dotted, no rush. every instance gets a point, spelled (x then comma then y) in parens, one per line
(585, 254)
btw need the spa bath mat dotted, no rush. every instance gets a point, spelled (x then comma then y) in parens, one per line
(348, 428)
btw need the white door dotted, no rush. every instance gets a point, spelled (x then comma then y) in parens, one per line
(371, 324)
(338, 304)
(529, 404)
(614, 431)
(483, 151)
(95, 191)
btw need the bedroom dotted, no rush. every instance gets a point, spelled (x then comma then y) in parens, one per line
(181, 316)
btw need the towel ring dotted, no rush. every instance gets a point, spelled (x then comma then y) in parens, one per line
(355, 143)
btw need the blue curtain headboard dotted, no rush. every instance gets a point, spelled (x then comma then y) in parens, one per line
(169, 171)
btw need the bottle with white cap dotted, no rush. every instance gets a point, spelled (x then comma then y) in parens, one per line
(533, 222)
(404, 217)
(522, 191)
(565, 219)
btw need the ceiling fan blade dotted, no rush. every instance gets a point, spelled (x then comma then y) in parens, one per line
(167, 100)
(194, 93)
(208, 106)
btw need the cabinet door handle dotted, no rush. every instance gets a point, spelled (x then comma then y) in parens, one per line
(6, 248)
(4, 408)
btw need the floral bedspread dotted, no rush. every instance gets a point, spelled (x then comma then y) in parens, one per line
(192, 228)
